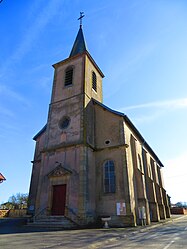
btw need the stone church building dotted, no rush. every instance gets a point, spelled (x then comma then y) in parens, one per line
(90, 161)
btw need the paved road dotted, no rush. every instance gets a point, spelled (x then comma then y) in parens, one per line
(14, 235)
(168, 236)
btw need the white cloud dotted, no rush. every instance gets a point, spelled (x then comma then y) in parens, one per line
(9, 93)
(150, 117)
(175, 175)
(123, 69)
(6, 112)
(154, 110)
(168, 104)
(40, 23)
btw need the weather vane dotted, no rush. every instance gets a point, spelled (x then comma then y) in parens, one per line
(80, 18)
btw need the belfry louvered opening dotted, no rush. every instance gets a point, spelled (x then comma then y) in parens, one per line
(94, 81)
(69, 76)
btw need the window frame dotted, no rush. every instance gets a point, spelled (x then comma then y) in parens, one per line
(109, 177)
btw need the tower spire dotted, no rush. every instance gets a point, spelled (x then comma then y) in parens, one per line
(79, 45)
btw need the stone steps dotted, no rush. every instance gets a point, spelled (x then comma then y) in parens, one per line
(54, 222)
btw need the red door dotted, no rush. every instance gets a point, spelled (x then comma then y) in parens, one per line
(59, 200)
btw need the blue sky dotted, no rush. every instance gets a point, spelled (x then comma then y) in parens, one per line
(141, 47)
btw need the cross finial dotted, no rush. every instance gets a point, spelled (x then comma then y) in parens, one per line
(80, 18)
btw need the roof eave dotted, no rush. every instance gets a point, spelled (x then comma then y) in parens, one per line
(40, 132)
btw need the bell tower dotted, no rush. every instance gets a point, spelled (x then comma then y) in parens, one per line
(77, 80)
(78, 74)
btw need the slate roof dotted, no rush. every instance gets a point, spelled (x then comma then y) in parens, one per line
(79, 45)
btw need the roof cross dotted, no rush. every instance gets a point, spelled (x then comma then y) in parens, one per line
(80, 18)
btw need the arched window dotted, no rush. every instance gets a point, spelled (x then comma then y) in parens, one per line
(68, 76)
(109, 177)
(94, 81)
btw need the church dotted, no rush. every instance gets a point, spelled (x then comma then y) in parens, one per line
(90, 161)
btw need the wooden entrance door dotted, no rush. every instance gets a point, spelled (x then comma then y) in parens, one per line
(59, 200)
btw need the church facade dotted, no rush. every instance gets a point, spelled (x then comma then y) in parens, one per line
(90, 161)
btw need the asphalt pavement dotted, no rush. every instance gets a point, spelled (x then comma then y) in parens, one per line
(14, 233)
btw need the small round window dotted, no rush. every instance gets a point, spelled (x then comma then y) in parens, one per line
(64, 122)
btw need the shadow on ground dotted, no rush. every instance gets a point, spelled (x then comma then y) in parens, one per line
(19, 225)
